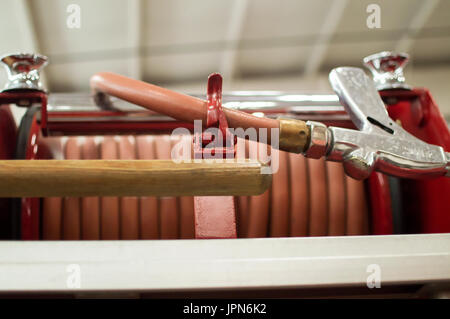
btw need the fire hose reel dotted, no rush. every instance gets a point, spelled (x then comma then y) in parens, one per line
(378, 144)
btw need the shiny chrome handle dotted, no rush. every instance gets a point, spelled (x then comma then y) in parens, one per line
(380, 144)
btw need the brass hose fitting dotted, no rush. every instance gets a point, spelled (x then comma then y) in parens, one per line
(294, 135)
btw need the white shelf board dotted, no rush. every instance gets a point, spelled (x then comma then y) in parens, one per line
(42, 266)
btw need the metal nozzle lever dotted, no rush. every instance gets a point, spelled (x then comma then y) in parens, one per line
(380, 144)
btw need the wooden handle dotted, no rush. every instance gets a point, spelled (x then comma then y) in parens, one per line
(47, 178)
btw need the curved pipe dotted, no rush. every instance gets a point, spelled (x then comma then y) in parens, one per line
(179, 106)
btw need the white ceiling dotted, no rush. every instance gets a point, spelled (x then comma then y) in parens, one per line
(177, 41)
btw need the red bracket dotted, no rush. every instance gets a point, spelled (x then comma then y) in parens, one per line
(215, 118)
(215, 216)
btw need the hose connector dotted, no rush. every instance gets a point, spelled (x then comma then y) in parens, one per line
(294, 135)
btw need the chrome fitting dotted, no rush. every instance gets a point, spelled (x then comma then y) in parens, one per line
(387, 69)
(319, 140)
(23, 71)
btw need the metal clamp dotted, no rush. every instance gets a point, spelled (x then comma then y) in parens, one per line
(380, 144)
(216, 118)
(23, 71)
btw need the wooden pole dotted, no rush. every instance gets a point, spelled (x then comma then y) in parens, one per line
(47, 178)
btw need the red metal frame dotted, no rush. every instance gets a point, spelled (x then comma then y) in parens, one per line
(126, 126)
(30, 206)
(114, 127)
(8, 133)
(428, 200)
(415, 109)
(27, 98)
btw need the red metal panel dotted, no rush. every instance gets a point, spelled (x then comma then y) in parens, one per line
(420, 116)
(215, 217)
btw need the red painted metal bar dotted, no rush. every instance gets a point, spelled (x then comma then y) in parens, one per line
(8, 138)
(215, 216)
(30, 208)
(380, 204)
